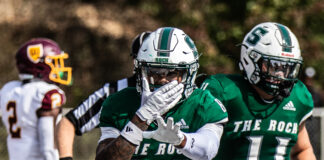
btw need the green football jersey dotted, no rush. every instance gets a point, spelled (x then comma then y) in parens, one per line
(257, 130)
(193, 113)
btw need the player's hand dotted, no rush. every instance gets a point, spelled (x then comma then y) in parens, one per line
(160, 101)
(146, 92)
(168, 133)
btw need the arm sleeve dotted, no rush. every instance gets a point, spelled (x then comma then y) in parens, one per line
(85, 117)
(204, 143)
(46, 137)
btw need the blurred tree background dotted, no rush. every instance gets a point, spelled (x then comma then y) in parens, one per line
(97, 34)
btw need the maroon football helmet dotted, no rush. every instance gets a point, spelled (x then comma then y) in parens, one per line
(42, 58)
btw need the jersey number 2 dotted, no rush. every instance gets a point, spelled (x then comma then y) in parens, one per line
(12, 119)
(255, 146)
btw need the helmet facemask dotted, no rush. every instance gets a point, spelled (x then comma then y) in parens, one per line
(277, 75)
(59, 73)
(158, 74)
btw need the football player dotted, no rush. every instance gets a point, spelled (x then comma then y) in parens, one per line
(268, 105)
(30, 106)
(85, 117)
(166, 67)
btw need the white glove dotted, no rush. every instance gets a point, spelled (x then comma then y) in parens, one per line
(146, 92)
(160, 101)
(168, 133)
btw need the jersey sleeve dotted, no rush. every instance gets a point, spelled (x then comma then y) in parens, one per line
(111, 116)
(54, 98)
(85, 117)
(225, 87)
(213, 85)
(106, 114)
(119, 108)
(215, 110)
(305, 99)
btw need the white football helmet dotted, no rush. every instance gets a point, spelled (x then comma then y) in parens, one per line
(271, 59)
(166, 50)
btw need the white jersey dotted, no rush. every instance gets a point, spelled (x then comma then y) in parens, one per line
(19, 104)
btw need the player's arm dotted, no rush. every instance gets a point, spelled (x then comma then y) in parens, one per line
(202, 144)
(153, 104)
(122, 147)
(74, 122)
(303, 148)
(46, 123)
(47, 114)
(64, 138)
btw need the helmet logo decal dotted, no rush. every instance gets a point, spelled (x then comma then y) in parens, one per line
(286, 40)
(162, 60)
(191, 44)
(165, 42)
(256, 35)
(35, 52)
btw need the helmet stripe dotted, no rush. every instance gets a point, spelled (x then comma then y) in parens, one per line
(165, 41)
(286, 40)
(191, 45)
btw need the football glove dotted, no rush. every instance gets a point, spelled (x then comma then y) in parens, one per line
(146, 92)
(167, 133)
(160, 101)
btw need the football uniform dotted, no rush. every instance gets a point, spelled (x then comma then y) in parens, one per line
(193, 113)
(19, 104)
(85, 117)
(257, 130)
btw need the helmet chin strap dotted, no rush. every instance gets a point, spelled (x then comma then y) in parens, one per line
(24, 76)
(268, 101)
(187, 92)
(285, 89)
(151, 81)
(265, 97)
(152, 85)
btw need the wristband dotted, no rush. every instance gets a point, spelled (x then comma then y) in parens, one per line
(132, 133)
